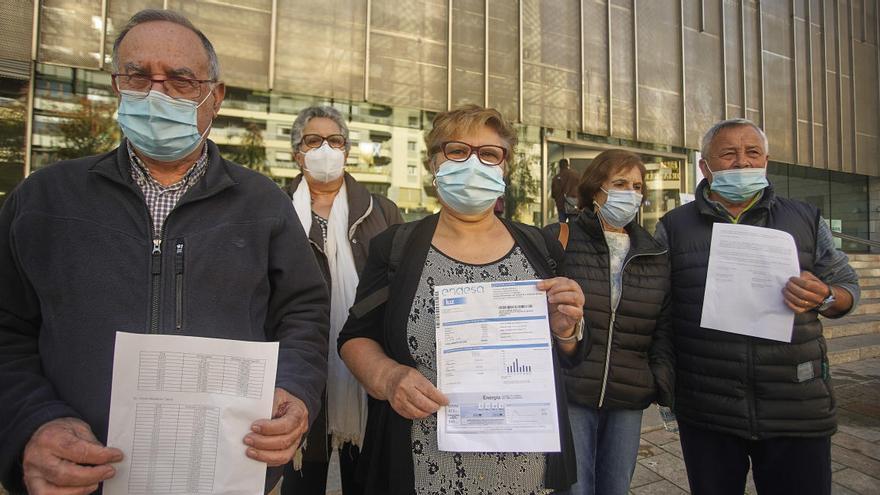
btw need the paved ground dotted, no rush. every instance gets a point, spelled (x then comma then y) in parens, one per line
(855, 448)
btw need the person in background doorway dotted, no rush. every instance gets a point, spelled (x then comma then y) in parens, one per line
(563, 190)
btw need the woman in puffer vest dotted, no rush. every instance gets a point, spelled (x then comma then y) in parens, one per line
(624, 274)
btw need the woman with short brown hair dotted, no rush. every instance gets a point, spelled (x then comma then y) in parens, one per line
(390, 345)
(624, 274)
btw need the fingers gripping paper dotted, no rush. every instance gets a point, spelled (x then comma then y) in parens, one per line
(748, 268)
(495, 364)
(179, 410)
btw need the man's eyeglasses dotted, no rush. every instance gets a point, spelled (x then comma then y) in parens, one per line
(175, 87)
(311, 141)
(458, 151)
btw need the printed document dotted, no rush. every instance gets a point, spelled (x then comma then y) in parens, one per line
(180, 409)
(495, 364)
(748, 268)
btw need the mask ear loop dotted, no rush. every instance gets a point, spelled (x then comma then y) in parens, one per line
(433, 172)
(204, 135)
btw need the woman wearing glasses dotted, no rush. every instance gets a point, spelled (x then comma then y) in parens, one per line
(340, 218)
(389, 343)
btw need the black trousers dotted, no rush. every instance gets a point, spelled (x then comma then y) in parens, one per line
(312, 478)
(717, 463)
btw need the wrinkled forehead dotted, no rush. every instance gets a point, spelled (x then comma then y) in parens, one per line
(161, 47)
(628, 172)
(739, 136)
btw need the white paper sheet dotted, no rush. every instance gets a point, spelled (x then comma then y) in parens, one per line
(748, 268)
(180, 409)
(495, 364)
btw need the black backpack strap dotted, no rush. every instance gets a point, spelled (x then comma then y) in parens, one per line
(542, 242)
(379, 297)
(538, 239)
(401, 237)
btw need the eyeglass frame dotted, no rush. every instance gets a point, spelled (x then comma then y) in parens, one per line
(475, 150)
(323, 140)
(153, 80)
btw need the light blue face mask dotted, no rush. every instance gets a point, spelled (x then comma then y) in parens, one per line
(159, 126)
(469, 187)
(620, 207)
(739, 184)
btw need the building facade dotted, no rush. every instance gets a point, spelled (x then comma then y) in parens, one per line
(576, 76)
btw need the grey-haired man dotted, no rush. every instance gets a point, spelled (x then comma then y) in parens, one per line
(161, 235)
(745, 401)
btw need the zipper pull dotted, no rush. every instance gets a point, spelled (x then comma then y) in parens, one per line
(157, 247)
(178, 257)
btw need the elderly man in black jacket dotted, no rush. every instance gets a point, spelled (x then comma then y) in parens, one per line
(738, 397)
(161, 235)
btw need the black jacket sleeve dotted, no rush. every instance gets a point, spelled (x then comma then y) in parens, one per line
(661, 355)
(27, 398)
(389, 210)
(373, 279)
(299, 312)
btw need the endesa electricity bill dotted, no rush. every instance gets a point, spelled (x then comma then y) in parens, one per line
(495, 364)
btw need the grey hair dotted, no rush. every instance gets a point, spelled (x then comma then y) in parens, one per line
(724, 124)
(153, 15)
(307, 114)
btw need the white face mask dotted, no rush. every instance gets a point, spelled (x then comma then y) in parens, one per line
(325, 164)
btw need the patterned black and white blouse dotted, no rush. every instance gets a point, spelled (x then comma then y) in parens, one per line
(473, 473)
(322, 222)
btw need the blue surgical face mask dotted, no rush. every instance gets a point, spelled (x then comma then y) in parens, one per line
(620, 207)
(739, 184)
(159, 126)
(469, 187)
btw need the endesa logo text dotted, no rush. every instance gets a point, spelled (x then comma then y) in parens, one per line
(462, 291)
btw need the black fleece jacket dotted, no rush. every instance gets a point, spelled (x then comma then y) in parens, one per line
(76, 267)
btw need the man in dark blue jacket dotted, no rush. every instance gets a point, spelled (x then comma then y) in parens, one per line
(744, 401)
(161, 235)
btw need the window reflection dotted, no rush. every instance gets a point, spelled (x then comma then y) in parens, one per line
(841, 198)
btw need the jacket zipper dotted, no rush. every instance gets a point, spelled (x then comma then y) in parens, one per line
(155, 283)
(612, 319)
(354, 226)
(178, 285)
(607, 356)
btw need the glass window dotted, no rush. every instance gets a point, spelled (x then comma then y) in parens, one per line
(849, 208)
(468, 58)
(13, 111)
(70, 32)
(239, 32)
(73, 115)
(662, 179)
(408, 53)
(320, 48)
(663, 185)
(841, 198)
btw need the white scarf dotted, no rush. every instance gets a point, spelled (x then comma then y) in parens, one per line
(346, 400)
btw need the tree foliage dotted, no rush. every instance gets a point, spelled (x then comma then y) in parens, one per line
(522, 186)
(12, 130)
(90, 129)
(250, 151)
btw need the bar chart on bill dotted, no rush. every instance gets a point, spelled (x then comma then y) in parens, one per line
(517, 368)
